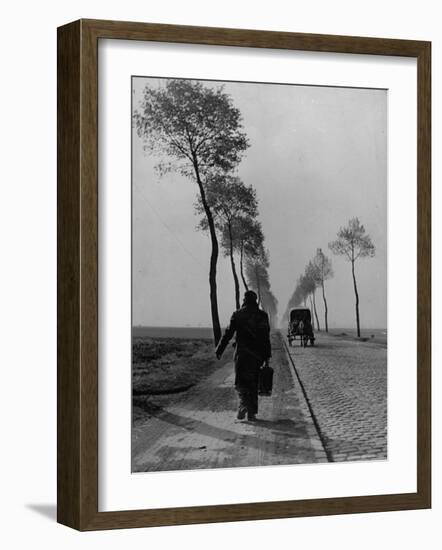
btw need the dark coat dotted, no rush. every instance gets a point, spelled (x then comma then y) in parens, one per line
(252, 329)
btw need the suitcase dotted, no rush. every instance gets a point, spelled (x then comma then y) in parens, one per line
(265, 381)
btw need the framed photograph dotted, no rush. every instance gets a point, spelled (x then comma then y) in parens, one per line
(244, 322)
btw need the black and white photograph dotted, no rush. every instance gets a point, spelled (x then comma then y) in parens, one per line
(259, 274)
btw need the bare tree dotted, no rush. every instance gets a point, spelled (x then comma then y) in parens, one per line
(197, 132)
(353, 243)
(324, 272)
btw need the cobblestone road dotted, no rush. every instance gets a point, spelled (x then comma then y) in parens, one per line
(346, 384)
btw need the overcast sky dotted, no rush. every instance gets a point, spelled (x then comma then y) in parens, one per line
(317, 157)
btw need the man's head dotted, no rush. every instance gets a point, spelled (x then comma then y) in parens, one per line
(250, 298)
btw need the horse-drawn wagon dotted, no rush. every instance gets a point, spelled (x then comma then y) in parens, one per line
(300, 327)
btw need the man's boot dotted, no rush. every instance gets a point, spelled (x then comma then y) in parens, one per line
(241, 412)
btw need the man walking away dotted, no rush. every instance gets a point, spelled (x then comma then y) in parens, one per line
(252, 349)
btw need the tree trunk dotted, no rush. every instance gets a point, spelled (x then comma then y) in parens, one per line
(232, 263)
(213, 258)
(241, 268)
(313, 318)
(316, 313)
(258, 286)
(358, 328)
(325, 307)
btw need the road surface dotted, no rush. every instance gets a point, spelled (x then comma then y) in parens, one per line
(200, 429)
(345, 382)
(328, 404)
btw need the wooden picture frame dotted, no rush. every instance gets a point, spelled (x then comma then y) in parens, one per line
(78, 274)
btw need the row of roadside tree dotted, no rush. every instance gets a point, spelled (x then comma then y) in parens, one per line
(352, 242)
(196, 131)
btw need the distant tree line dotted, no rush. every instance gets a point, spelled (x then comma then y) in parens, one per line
(352, 243)
(316, 273)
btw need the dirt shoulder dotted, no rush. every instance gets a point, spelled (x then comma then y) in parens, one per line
(165, 367)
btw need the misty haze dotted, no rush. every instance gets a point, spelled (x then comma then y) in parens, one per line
(259, 274)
